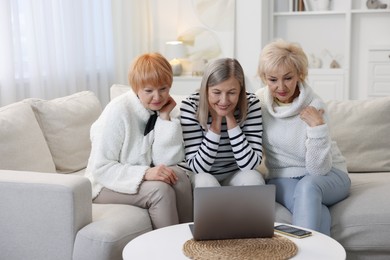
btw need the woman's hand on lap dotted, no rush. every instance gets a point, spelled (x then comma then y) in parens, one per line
(161, 173)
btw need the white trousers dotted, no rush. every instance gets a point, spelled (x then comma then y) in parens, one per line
(239, 178)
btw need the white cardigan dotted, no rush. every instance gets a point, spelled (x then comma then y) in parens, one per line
(292, 148)
(121, 154)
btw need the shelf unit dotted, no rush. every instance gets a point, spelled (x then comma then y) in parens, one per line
(379, 71)
(341, 33)
(185, 85)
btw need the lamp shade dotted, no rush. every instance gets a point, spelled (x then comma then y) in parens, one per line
(174, 50)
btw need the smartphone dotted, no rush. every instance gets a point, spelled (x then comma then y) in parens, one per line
(292, 231)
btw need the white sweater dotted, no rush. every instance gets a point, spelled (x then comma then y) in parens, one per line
(120, 152)
(291, 147)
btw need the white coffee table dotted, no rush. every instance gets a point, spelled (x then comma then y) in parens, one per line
(167, 243)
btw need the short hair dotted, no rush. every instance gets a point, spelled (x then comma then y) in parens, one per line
(150, 69)
(217, 72)
(281, 53)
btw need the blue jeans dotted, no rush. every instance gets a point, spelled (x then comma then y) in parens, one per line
(309, 197)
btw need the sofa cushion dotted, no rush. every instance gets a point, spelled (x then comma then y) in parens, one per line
(65, 123)
(22, 144)
(282, 214)
(361, 129)
(361, 222)
(117, 90)
(113, 226)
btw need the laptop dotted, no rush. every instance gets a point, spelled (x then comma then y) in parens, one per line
(231, 212)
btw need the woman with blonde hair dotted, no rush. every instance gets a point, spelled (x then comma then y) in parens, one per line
(222, 129)
(133, 156)
(303, 162)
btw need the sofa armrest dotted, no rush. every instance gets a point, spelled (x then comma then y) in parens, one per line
(41, 214)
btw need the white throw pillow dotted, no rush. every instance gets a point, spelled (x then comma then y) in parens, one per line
(362, 131)
(22, 144)
(65, 123)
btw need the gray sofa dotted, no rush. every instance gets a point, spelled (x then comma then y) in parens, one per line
(46, 209)
(361, 222)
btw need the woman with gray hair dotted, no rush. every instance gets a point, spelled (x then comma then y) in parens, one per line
(222, 129)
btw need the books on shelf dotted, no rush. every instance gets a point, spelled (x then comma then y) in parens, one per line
(311, 5)
(297, 5)
(301, 5)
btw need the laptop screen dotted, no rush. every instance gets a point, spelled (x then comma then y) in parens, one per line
(230, 212)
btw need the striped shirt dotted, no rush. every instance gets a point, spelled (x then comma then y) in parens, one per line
(236, 149)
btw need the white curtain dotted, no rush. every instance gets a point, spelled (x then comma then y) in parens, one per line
(53, 48)
(133, 33)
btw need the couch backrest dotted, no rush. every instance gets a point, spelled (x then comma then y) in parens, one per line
(48, 135)
(118, 89)
(361, 129)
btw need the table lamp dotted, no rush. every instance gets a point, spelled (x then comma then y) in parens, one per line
(174, 50)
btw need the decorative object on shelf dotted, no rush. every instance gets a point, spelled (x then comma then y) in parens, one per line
(322, 5)
(174, 51)
(334, 64)
(375, 4)
(307, 5)
(198, 67)
(314, 62)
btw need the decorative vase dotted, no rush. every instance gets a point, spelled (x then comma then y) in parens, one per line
(323, 5)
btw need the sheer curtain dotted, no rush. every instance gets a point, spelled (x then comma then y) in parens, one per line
(55, 48)
(133, 28)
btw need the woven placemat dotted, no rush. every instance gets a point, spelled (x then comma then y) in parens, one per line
(277, 247)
